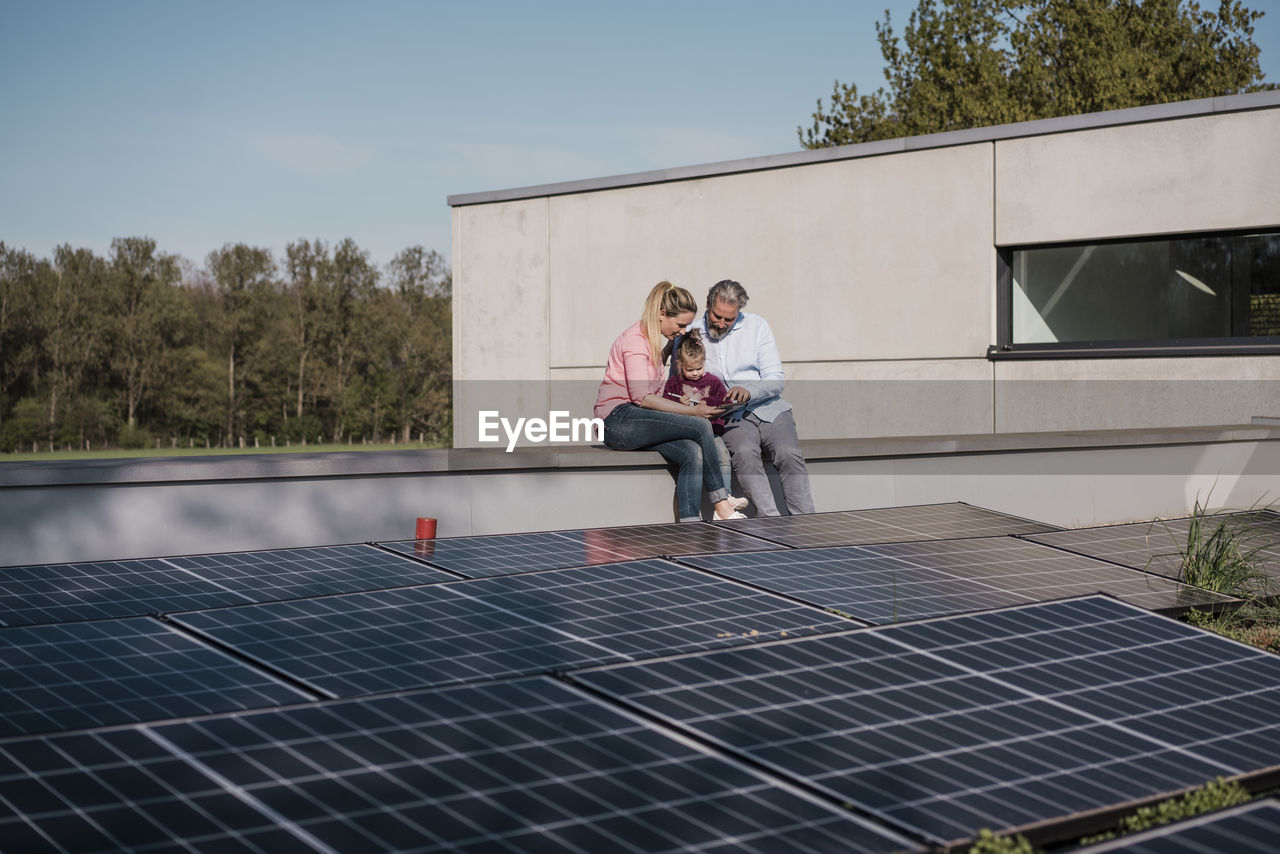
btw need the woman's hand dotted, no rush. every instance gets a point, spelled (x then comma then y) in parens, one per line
(703, 411)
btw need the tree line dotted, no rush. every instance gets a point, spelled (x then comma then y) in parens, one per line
(139, 348)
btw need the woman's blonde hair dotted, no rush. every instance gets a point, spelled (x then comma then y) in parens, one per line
(671, 300)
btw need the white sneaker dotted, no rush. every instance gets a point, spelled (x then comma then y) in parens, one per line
(739, 502)
(734, 515)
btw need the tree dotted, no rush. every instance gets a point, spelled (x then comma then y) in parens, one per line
(416, 335)
(72, 321)
(974, 63)
(350, 286)
(20, 273)
(244, 276)
(146, 310)
(306, 264)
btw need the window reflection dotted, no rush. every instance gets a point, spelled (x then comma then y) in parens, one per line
(1148, 290)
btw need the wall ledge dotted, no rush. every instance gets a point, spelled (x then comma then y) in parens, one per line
(250, 467)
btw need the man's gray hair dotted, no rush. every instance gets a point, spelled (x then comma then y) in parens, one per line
(727, 290)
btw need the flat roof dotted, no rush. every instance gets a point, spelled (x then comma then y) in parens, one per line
(1039, 127)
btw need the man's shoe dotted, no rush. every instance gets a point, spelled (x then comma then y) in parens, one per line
(739, 502)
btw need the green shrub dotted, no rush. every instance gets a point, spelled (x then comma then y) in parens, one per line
(988, 843)
(1255, 625)
(132, 438)
(1214, 795)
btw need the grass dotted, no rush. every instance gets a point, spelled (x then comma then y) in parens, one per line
(1221, 554)
(1224, 555)
(144, 453)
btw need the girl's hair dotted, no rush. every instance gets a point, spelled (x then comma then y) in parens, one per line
(671, 300)
(691, 348)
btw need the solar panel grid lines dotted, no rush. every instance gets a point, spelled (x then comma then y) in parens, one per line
(58, 593)
(463, 631)
(1251, 828)
(277, 574)
(252, 806)
(1162, 663)
(88, 674)
(885, 525)
(895, 720)
(899, 581)
(116, 790)
(515, 765)
(503, 554)
(1157, 546)
(416, 557)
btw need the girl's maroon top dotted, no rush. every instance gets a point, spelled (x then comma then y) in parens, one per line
(708, 389)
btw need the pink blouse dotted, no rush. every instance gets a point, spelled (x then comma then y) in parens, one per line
(629, 375)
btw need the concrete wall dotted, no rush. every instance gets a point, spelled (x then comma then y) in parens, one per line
(1202, 173)
(876, 266)
(78, 511)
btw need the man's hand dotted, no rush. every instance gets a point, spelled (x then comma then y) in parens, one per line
(738, 394)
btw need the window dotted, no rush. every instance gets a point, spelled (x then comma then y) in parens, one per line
(1184, 295)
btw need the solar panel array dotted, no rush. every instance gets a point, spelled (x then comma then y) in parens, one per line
(93, 591)
(522, 765)
(504, 626)
(886, 525)
(135, 588)
(479, 557)
(1004, 719)
(808, 683)
(296, 573)
(79, 675)
(904, 581)
(1159, 546)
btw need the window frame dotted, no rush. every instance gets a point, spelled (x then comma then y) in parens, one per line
(1004, 349)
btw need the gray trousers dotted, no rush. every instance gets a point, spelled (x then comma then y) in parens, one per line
(749, 440)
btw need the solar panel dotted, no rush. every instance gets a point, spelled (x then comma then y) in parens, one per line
(517, 766)
(885, 525)
(500, 627)
(1003, 719)
(1251, 828)
(480, 557)
(903, 581)
(643, 541)
(58, 593)
(79, 675)
(266, 576)
(1158, 546)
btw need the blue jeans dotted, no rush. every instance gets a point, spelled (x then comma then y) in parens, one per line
(685, 441)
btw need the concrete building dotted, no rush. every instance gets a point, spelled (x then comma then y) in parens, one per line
(1108, 271)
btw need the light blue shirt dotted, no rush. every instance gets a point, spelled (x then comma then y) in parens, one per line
(747, 355)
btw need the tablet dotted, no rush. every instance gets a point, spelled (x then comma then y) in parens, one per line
(731, 408)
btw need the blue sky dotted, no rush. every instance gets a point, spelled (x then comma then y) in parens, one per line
(203, 123)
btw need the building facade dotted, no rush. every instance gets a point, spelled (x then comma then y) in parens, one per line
(1114, 270)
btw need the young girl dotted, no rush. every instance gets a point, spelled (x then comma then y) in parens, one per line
(691, 385)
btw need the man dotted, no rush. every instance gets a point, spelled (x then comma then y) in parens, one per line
(741, 351)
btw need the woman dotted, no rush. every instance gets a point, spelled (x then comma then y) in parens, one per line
(637, 416)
